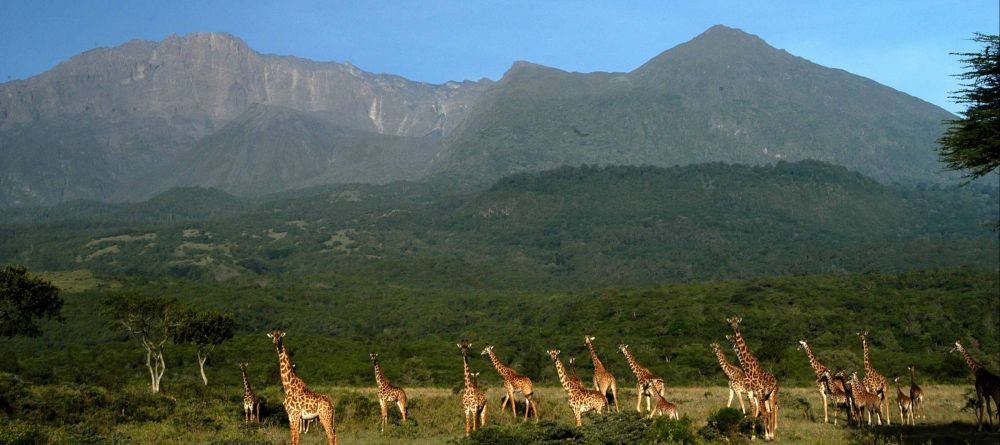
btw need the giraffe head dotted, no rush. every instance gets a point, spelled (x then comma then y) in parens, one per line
(862, 335)
(374, 357)
(734, 321)
(464, 345)
(896, 379)
(243, 365)
(715, 347)
(732, 340)
(554, 353)
(588, 339)
(275, 337)
(487, 350)
(474, 378)
(623, 348)
(572, 361)
(803, 344)
(958, 347)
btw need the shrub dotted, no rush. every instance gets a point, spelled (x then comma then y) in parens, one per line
(669, 431)
(727, 424)
(541, 433)
(21, 434)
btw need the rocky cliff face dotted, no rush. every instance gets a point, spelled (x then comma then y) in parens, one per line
(97, 125)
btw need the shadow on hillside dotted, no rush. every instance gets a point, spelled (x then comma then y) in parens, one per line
(950, 433)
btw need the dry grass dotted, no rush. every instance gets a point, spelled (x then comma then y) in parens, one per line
(437, 418)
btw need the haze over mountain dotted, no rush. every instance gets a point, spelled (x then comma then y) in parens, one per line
(204, 109)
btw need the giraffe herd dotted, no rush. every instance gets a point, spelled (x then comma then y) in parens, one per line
(864, 398)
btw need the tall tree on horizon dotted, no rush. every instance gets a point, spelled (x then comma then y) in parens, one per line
(972, 143)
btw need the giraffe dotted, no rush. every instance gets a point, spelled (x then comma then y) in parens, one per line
(916, 394)
(904, 403)
(513, 382)
(987, 387)
(572, 372)
(251, 403)
(863, 400)
(301, 403)
(387, 393)
(603, 380)
(581, 399)
(836, 386)
(664, 408)
(824, 386)
(648, 383)
(473, 400)
(763, 385)
(737, 380)
(875, 382)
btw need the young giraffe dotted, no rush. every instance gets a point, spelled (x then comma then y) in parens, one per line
(987, 387)
(301, 403)
(916, 394)
(875, 382)
(473, 400)
(251, 403)
(836, 386)
(603, 380)
(863, 400)
(513, 382)
(664, 408)
(572, 373)
(581, 399)
(824, 386)
(388, 393)
(904, 403)
(737, 380)
(763, 385)
(648, 383)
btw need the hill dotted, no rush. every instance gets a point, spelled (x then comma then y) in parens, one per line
(570, 227)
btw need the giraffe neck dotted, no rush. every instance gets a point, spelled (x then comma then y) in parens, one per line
(289, 381)
(913, 377)
(466, 374)
(868, 363)
(562, 374)
(501, 367)
(638, 370)
(598, 366)
(380, 379)
(246, 383)
(974, 366)
(724, 362)
(814, 362)
(750, 365)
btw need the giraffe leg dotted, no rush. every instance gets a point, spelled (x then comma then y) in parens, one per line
(401, 403)
(578, 414)
(482, 416)
(384, 409)
(294, 423)
(467, 421)
(638, 400)
(326, 420)
(513, 401)
(826, 417)
(730, 401)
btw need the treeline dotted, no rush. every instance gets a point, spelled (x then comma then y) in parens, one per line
(913, 318)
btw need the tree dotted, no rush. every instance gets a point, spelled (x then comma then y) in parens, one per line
(205, 330)
(972, 143)
(147, 319)
(24, 300)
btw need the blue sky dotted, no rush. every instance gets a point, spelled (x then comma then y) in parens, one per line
(903, 44)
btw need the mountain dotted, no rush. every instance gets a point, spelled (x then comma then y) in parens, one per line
(125, 123)
(725, 96)
(100, 124)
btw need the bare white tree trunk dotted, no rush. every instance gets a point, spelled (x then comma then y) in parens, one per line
(201, 366)
(154, 363)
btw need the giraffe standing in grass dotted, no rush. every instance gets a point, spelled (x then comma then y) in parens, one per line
(648, 383)
(513, 382)
(473, 400)
(603, 379)
(825, 386)
(987, 387)
(737, 380)
(916, 394)
(863, 401)
(763, 385)
(575, 379)
(581, 400)
(388, 393)
(875, 382)
(664, 408)
(904, 403)
(301, 403)
(251, 403)
(836, 388)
